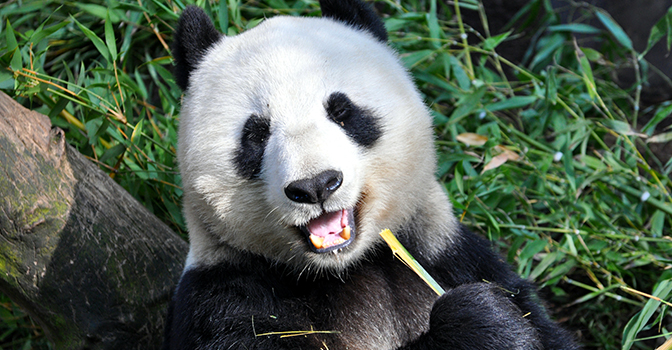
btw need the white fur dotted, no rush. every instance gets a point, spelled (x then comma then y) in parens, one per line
(284, 70)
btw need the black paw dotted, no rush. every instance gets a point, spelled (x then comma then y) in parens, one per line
(480, 316)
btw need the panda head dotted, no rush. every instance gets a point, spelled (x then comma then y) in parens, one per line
(299, 139)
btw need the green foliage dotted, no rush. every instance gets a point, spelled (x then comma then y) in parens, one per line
(18, 331)
(566, 183)
(582, 203)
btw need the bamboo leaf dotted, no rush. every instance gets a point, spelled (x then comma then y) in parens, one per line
(433, 25)
(136, 131)
(657, 223)
(12, 46)
(591, 54)
(416, 57)
(586, 72)
(662, 28)
(640, 320)
(533, 248)
(10, 37)
(492, 42)
(620, 127)
(460, 75)
(100, 45)
(614, 28)
(223, 15)
(551, 85)
(568, 163)
(545, 263)
(109, 37)
(580, 28)
(469, 4)
(466, 104)
(99, 11)
(113, 152)
(663, 112)
(132, 7)
(550, 46)
(38, 35)
(511, 103)
(562, 269)
(235, 12)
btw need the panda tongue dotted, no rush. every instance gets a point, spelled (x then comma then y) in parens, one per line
(328, 226)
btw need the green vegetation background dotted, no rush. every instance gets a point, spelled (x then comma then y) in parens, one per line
(550, 159)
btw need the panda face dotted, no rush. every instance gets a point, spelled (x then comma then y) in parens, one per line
(299, 141)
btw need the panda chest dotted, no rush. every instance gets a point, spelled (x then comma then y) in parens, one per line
(371, 311)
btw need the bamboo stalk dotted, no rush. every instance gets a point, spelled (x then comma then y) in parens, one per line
(401, 253)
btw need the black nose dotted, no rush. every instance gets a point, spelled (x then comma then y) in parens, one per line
(316, 189)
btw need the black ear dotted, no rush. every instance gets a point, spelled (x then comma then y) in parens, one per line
(195, 33)
(355, 13)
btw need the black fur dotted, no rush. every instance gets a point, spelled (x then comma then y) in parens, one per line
(486, 306)
(355, 13)
(252, 144)
(473, 264)
(452, 321)
(194, 35)
(359, 124)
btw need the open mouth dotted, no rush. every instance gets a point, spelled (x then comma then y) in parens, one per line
(330, 231)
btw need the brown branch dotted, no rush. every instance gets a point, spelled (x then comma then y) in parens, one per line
(84, 258)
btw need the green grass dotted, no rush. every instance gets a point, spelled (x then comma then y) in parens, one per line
(17, 330)
(580, 203)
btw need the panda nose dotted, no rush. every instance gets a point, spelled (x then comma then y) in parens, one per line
(316, 189)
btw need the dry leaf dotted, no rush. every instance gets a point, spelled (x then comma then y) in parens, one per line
(471, 139)
(660, 138)
(511, 155)
(495, 162)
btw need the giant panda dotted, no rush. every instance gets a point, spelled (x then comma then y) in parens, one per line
(299, 140)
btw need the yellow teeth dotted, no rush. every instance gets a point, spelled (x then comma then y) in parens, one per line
(345, 234)
(317, 241)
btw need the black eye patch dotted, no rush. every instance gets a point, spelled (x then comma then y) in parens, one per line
(358, 123)
(252, 144)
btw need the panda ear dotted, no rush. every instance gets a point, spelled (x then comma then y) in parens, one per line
(355, 13)
(194, 35)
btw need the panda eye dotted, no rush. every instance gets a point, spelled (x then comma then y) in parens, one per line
(359, 124)
(339, 107)
(252, 144)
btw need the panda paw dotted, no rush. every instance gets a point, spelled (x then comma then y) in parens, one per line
(479, 316)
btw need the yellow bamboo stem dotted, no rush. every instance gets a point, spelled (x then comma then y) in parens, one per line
(400, 252)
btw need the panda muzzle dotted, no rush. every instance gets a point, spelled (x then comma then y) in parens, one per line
(330, 231)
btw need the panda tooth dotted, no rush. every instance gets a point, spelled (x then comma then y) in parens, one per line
(345, 234)
(317, 241)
